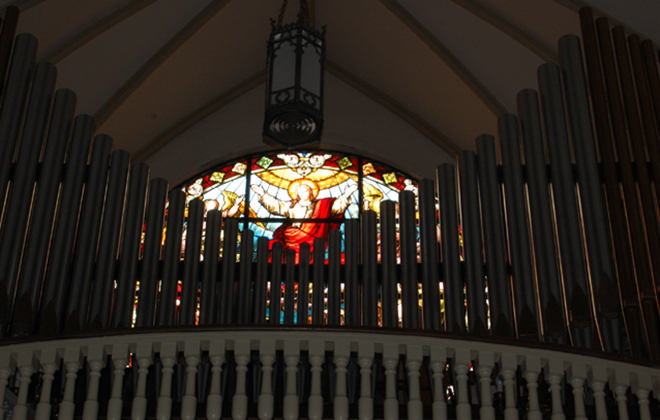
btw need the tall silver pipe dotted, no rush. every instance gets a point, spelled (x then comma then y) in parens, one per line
(41, 223)
(452, 280)
(244, 287)
(192, 253)
(122, 311)
(165, 312)
(261, 284)
(521, 261)
(13, 105)
(153, 239)
(472, 245)
(228, 280)
(207, 296)
(563, 186)
(409, 285)
(334, 285)
(303, 285)
(388, 259)
(541, 214)
(494, 243)
(99, 314)
(428, 236)
(318, 285)
(351, 279)
(591, 194)
(19, 197)
(274, 308)
(369, 262)
(289, 286)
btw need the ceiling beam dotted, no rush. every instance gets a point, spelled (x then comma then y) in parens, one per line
(143, 73)
(395, 107)
(532, 43)
(198, 115)
(68, 46)
(447, 56)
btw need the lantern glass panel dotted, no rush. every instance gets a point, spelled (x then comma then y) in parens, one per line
(310, 77)
(284, 66)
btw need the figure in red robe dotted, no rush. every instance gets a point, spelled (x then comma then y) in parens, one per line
(304, 205)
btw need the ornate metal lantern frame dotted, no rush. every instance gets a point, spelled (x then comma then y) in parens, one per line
(294, 89)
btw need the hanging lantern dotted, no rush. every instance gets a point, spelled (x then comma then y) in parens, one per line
(294, 90)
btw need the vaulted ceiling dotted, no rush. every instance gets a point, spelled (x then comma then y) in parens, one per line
(180, 84)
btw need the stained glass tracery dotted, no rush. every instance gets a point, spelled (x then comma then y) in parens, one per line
(295, 197)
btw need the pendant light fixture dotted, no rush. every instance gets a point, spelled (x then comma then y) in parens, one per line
(294, 89)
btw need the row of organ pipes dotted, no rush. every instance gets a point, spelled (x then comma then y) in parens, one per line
(562, 248)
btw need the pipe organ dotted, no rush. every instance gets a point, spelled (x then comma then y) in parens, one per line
(551, 285)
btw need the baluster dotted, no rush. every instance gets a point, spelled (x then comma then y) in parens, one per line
(340, 405)
(555, 373)
(96, 360)
(266, 401)
(641, 388)
(144, 355)
(531, 370)
(72, 363)
(366, 359)
(189, 401)
(214, 400)
(486, 365)
(438, 363)
(413, 363)
(168, 360)
(291, 358)
(26, 366)
(50, 362)
(508, 372)
(6, 369)
(119, 352)
(316, 359)
(390, 361)
(619, 383)
(576, 375)
(597, 379)
(239, 403)
(461, 365)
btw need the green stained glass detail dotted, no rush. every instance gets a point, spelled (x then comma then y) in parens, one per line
(265, 162)
(344, 163)
(217, 176)
(390, 178)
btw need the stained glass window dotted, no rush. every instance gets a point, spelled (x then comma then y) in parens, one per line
(294, 197)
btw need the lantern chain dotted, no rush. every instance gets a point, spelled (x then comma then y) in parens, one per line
(304, 12)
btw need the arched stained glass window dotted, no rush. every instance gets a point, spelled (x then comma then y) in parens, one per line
(294, 197)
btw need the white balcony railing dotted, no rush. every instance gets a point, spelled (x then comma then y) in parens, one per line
(316, 373)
